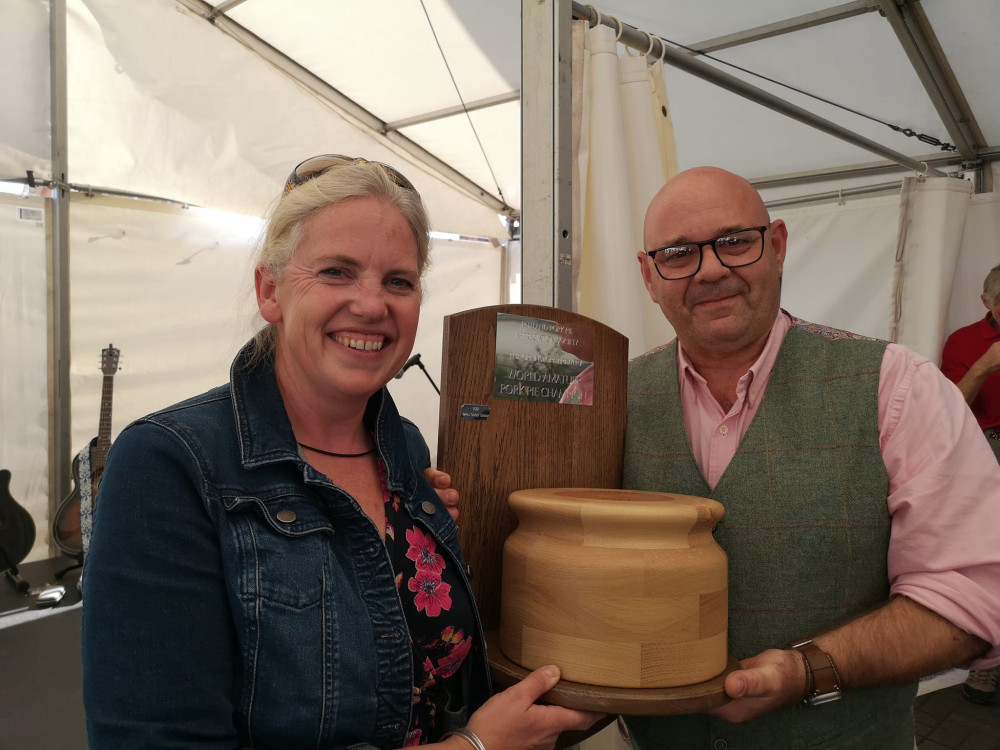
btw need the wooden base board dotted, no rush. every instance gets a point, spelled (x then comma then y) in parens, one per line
(685, 699)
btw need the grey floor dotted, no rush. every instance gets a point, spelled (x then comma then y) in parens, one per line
(946, 721)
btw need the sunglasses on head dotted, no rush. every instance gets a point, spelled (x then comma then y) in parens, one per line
(317, 165)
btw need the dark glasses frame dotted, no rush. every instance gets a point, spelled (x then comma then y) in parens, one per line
(700, 248)
(317, 165)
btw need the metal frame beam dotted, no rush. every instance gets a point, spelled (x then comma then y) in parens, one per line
(224, 7)
(546, 153)
(60, 402)
(798, 23)
(641, 40)
(344, 104)
(440, 114)
(924, 52)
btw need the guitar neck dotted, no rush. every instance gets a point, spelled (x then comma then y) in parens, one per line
(100, 453)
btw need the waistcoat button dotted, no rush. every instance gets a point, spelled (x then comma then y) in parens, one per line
(428, 507)
(285, 515)
(720, 745)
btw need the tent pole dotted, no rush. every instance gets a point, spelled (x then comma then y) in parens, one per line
(60, 414)
(640, 40)
(546, 153)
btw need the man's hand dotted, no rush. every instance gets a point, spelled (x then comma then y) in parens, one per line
(441, 482)
(771, 680)
(982, 368)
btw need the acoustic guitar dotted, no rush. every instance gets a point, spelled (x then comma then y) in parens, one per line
(17, 532)
(66, 524)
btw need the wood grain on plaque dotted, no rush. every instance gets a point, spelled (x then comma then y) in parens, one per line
(523, 444)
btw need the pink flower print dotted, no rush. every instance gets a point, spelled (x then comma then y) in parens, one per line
(452, 661)
(413, 738)
(432, 593)
(423, 552)
(399, 580)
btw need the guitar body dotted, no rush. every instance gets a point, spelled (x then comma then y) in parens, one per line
(17, 528)
(66, 529)
(71, 521)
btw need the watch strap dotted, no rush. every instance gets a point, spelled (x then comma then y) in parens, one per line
(822, 677)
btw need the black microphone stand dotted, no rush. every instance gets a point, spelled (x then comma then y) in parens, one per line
(415, 360)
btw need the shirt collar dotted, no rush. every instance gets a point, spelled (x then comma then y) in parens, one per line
(759, 370)
(265, 433)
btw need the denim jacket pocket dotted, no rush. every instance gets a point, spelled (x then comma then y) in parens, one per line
(284, 539)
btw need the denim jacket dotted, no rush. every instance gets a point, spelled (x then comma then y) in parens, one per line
(236, 597)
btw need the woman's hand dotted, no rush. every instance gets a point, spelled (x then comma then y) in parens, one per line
(441, 482)
(512, 721)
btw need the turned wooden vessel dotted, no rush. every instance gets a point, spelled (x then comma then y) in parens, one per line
(619, 588)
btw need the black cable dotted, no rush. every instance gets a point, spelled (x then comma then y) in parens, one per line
(464, 108)
(929, 139)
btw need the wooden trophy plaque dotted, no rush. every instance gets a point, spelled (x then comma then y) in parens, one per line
(493, 445)
(534, 397)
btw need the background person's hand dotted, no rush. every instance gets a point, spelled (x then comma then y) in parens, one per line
(990, 361)
(441, 482)
(512, 721)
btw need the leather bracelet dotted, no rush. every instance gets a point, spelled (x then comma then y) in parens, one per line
(468, 735)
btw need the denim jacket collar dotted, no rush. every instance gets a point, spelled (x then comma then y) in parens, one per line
(265, 432)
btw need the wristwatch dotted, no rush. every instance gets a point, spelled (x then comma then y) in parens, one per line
(822, 677)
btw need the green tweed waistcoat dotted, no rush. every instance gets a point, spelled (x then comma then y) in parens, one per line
(806, 528)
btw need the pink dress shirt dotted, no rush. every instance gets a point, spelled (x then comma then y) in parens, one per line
(944, 481)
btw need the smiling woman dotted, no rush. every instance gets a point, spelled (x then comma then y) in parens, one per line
(267, 567)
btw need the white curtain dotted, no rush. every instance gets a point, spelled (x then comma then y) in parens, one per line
(931, 224)
(623, 153)
(24, 404)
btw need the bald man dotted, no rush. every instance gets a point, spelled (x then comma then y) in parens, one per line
(861, 498)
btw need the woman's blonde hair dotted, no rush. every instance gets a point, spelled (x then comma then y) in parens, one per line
(339, 183)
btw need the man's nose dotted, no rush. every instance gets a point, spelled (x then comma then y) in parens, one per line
(711, 266)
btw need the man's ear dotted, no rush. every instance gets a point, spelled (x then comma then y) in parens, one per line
(646, 269)
(779, 242)
(264, 285)
(986, 303)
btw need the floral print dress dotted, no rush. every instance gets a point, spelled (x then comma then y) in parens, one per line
(438, 611)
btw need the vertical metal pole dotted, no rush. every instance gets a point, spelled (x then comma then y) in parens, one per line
(58, 214)
(546, 154)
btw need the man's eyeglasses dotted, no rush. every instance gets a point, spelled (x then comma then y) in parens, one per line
(733, 249)
(317, 165)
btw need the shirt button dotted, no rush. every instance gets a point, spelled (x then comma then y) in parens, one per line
(285, 515)
(428, 507)
(752, 398)
(720, 745)
(723, 430)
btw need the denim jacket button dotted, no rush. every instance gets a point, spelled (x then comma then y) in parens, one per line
(428, 507)
(285, 515)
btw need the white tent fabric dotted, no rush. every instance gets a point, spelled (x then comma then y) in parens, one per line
(932, 219)
(162, 104)
(24, 89)
(170, 288)
(24, 399)
(620, 169)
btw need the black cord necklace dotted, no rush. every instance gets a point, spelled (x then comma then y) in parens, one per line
(335, 455)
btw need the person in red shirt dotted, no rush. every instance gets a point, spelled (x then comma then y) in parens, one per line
(971, 359)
